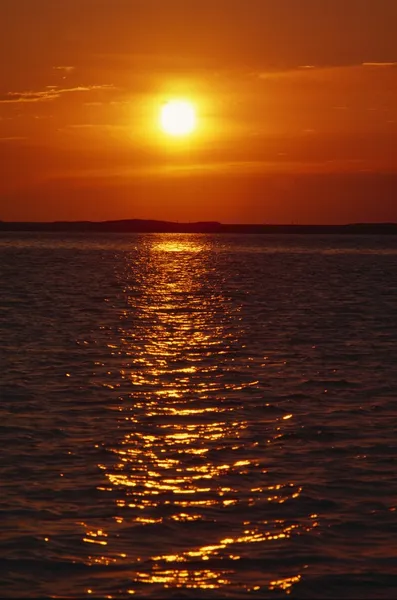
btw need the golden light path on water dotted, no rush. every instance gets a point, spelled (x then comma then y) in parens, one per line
(190, 476)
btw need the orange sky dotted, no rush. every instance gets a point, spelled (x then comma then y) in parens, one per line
(297, 103)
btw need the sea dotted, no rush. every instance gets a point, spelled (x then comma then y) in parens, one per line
(198, 416)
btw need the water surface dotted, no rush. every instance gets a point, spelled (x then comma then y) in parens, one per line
(198, 416)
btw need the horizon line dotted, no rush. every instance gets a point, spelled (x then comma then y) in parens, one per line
(214, 225)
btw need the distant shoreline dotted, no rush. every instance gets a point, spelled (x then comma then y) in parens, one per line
(152, 226)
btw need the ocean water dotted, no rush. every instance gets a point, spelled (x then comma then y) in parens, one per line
(198, 416)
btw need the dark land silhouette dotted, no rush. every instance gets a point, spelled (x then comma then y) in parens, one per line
(153, 226)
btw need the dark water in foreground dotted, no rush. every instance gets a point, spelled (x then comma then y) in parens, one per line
(198, 416)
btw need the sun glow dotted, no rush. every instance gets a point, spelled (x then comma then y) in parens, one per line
(178, 118)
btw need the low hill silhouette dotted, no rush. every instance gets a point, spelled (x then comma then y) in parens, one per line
(153, 226)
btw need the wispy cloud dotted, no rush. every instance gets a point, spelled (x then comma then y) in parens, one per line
(287, 72)
(221, 168)
(323, 70)
(379, 64)
(51, 92)
(80, 126)
(65, 69)
(98, 126)
(13, 138)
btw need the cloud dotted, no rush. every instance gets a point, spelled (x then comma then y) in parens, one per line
(52, 92)
(80, 126)
(326, 72)
(13, 138)
(217, 168)
(298, 70)
(379, 64)
(65, 69)
(99, 126)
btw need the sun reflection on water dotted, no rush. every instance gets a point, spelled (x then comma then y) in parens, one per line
(185, 466)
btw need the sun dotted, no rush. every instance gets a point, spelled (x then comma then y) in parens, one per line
(178, 117)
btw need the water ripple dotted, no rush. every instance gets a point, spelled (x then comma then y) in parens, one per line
(207, 415)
